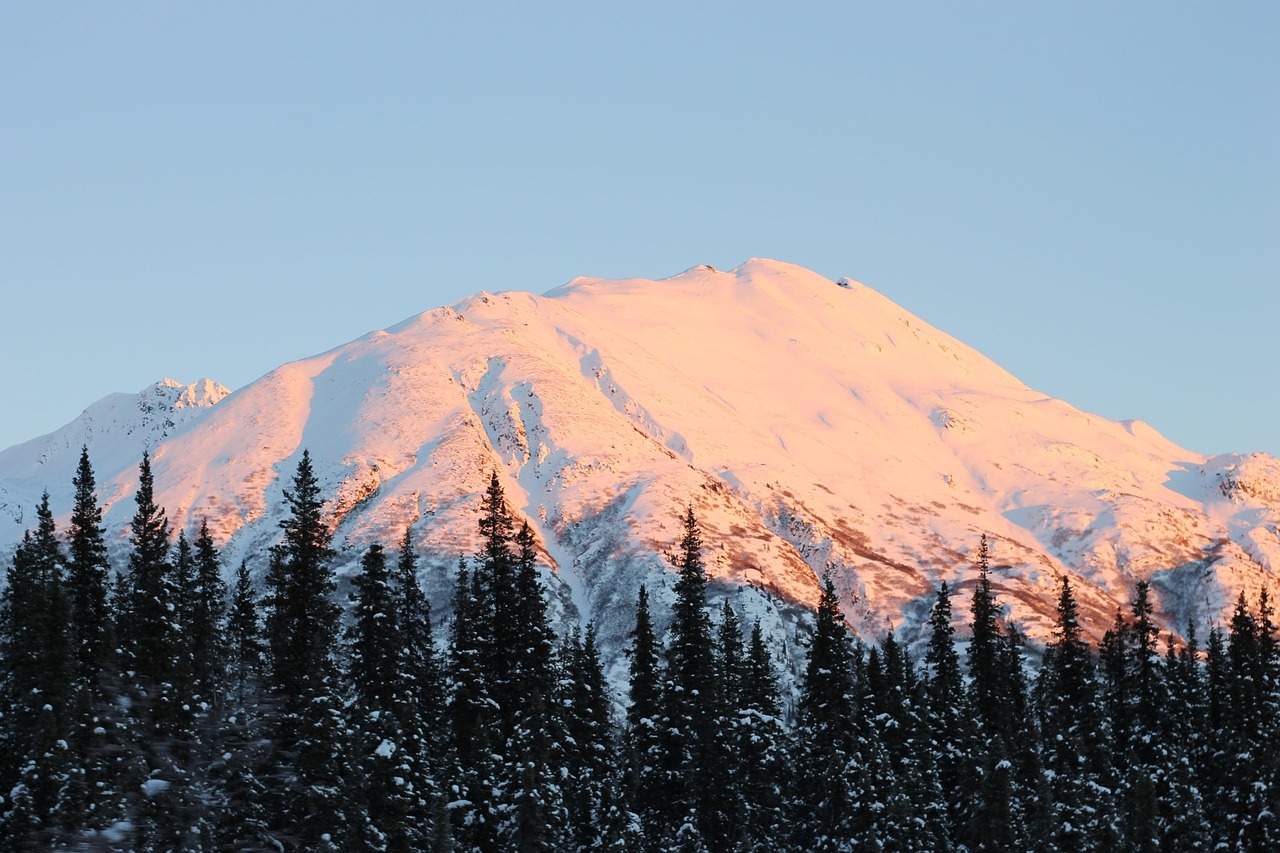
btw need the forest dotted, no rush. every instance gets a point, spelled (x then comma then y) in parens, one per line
(152, 706)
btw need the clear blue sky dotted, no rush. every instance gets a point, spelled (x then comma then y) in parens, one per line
(1089, 193)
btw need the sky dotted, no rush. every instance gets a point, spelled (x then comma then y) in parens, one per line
(1087, 193)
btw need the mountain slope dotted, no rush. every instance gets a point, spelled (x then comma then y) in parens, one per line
(812, 425)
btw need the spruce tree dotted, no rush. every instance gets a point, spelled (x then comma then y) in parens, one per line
(88, 576)
(246, 768)
(1070, 724)
(826, 817)
(997, 821)
(380, 759)
(422, 712)
(99, 751)
(690, 701)
(643, 741)
(301, 632)
(36, 667)
(206, 615)
(949, 722)
(762, 742)
(471, 715)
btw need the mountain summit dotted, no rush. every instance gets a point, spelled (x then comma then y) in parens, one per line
(812, 425)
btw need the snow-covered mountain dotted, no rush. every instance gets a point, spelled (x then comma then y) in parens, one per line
(812, 425)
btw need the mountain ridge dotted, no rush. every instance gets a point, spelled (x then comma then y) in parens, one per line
(813, 425)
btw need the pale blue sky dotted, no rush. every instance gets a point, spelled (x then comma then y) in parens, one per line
(1089, 193)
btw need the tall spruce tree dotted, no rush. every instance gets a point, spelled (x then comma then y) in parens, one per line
(100, 752)
(1075, 754)
(380, 689)
(310, 806)
(88, 576)
(762, 742)
(643, 740)
(690, 703)
(997, 821)
(246, 767)
(826, 814)
(422, 712)
(950, 724)
(36, 669)
(205, 618)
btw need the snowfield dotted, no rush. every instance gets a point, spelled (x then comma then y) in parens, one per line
(812, 425)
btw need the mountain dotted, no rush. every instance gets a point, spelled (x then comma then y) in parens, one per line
(813, 426)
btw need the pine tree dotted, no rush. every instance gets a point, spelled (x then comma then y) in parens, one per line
(643, 741)
(588, 735)
(826, 739)
(690, 701)
(997, 822)
(762, 743)
(99, 749)
(949, 723)
(471, 715)
(301, 631)
(1070, 724)
(246, 768)
(422, 712)
(206, 614)
(36, 668)
(724, 776)
(88, 573)
(150, 630)
(380, 694)
(541, 744)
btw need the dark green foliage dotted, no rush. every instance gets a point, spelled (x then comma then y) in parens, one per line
(87, 572)
(643, 740)
(36, 672)
(826, 744)
(691, 709)
(381, 757)
(204, 613)
(1075, 752)
(309, 807)
(209, 733)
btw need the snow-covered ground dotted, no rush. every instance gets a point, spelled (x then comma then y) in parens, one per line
(812, 425)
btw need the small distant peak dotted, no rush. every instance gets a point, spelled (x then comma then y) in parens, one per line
(699, 270)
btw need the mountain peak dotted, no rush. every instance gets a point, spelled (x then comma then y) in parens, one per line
(814, 426)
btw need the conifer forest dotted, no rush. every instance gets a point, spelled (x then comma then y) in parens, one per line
(150, 706)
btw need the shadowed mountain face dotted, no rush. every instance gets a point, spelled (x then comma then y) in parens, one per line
(812, 425)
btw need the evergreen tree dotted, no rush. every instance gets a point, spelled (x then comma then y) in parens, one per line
(997, 822)
(826, 818)
(1070, 724)
(690, 703)
(422, 712)
(99, 750)
(762, 743)
(301, 632)
(950, 724)
(245, 768)
(590, 745)
(380, 689)
(643, 716)
(471, 716)
(36, 667)
(205, 616)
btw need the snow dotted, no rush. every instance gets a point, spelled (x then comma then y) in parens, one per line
(151, 787)
(812, 425)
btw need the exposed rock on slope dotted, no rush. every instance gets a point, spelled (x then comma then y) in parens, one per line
(813, 426)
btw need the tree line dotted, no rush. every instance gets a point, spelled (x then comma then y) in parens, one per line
(150, 707)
